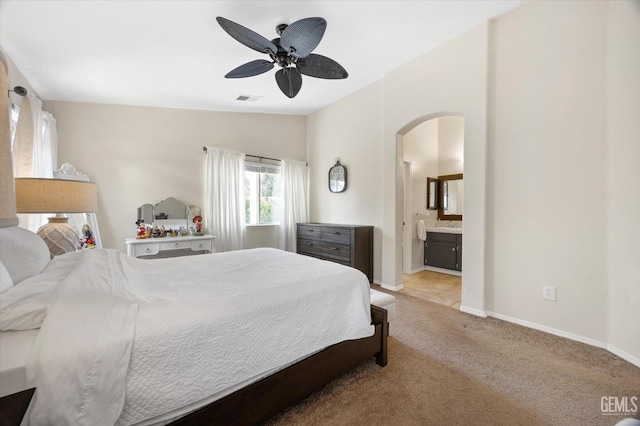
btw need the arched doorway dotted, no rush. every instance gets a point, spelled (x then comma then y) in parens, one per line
(429, 147)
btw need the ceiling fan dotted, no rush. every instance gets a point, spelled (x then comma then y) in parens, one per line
(292, 52)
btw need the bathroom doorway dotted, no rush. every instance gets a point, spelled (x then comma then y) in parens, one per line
(430, 151)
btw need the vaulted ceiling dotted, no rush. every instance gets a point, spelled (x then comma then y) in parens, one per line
(174, 53)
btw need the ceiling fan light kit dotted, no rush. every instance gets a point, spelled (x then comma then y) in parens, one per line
(292, 52)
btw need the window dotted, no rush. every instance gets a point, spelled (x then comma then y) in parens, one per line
(13, 122)
(262, 193)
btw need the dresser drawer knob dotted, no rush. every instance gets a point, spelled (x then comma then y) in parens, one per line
(147, 249)
(177, 244)
(200, 246)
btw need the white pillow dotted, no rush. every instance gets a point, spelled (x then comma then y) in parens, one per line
(5, 279)
(23, 253)
(24, 306)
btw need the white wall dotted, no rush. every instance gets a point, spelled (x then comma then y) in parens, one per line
(549, 94)
(450, 145)
(623, 177)
(448, 79)
(350, 129)
(140, 155)
(546, 166)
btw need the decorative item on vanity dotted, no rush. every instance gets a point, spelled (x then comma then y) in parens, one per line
(39, 195)
(176, 222)
(143, 231)
(197, 220)
(86, 241)
(338, 177)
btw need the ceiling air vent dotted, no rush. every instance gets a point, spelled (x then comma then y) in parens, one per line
(250, 98)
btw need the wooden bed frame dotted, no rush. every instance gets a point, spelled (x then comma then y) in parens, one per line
(267, 397)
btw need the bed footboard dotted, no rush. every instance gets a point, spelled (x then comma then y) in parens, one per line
(265, 398)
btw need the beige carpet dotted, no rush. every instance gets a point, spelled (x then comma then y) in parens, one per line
(449, 368)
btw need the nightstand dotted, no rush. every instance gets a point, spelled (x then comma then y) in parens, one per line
(14, 407)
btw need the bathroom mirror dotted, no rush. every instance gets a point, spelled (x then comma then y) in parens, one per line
(432, 193)
(451, 197)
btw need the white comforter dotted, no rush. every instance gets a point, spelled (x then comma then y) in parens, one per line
(127, 340)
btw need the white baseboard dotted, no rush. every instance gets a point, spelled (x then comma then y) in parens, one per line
(572, 336)
(473, 311)
(389, 287)
(624, 355)
(442, 270)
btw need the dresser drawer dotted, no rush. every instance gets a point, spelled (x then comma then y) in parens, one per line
(309, 232)
(310, 247)
(145, 249)
(350, 245)
(338, 252)
(202, 245)
(175, 245)
(336, 235)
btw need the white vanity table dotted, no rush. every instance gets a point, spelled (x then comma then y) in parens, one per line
(169, 214)
(151, 246)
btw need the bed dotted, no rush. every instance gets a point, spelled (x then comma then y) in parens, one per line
(217, 338)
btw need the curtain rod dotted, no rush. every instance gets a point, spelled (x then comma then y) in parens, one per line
(204, 148)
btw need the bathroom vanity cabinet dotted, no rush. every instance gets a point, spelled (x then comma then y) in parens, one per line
(443, 250)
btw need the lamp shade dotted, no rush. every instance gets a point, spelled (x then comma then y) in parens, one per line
(38, 195)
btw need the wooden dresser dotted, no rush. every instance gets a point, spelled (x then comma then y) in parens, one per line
(351, 245)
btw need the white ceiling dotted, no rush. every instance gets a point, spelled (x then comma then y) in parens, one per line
(174, 53)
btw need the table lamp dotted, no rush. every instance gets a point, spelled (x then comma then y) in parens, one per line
(39, 195)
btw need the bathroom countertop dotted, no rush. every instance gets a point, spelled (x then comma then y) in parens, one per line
(445, 230)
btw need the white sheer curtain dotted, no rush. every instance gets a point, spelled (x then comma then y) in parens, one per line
(35, 150)
(224, 208)
(294, 201)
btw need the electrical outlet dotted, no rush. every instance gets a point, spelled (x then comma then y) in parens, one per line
(548, 292)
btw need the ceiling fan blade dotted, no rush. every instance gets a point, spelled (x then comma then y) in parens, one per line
(321, 67)
(289, 81)
(246, 36)
(301, 37)
(250, 69)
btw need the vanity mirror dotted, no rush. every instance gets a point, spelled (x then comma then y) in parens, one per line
(169, 213)
(145, 213)
(451, 197)
(432, 193)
